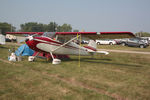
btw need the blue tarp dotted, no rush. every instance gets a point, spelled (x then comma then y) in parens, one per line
(24, 50)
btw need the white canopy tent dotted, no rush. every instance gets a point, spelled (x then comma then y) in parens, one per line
(2, 39)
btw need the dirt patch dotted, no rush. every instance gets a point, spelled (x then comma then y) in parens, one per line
(72, 81)
(125, 51)
(5, 61)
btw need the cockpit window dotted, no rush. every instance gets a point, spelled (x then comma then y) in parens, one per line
(49, 34)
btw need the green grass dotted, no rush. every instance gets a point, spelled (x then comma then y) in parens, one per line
(119, 47)
(110, 77)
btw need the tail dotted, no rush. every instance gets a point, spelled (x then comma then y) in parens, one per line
(92, 44)
(92, 48)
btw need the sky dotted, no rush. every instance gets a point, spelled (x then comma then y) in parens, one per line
(88, 15)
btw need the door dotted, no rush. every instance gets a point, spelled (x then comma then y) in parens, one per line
(133, 42)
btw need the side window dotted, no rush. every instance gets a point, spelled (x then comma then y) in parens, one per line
(49, 34)
(60, 39)
(134, 40)
(131, 39)
(137, 40)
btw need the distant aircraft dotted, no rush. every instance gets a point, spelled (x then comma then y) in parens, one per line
(62, 43)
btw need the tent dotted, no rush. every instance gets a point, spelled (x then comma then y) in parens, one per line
(2, 39)
(24, 50)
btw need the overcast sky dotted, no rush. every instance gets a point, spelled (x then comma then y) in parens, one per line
(88, 15)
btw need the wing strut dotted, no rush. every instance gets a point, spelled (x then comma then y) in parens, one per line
(65, 43)
(79, 48)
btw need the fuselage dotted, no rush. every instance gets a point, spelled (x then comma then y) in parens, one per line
(46, 44)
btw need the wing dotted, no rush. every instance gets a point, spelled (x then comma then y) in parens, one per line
(98, 35)
(29, 33)
(90, 35)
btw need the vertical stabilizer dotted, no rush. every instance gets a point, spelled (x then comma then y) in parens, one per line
(92, 44)
(92, 48)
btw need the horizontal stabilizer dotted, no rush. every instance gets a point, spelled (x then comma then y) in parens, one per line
(103, 52)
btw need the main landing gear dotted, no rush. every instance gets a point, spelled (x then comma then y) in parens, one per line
(55, 60)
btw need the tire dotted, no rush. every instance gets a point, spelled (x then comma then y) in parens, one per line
(141, 46)
(98, 43)
(123, 44)
(110, 43)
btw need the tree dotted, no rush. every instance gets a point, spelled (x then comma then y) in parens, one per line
(51, 27)
(38, 27)
(64, 28)
(75, 30)
(32, 27)
(142, 34)
(5, 27)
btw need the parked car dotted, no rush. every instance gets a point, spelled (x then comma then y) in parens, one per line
(7, 40)
(107, 41)
(135, 42)
(121, 41)
(145, 41)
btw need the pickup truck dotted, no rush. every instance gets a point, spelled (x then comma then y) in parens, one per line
(135, 42)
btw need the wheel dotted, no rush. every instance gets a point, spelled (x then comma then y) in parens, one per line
(110, 43)
(141, 46)
(123, 44)
(98, 43)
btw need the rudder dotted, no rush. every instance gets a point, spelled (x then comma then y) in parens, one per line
(92, 44)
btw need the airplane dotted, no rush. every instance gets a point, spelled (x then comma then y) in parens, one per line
(62, 43)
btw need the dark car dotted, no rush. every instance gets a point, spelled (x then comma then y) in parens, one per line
(84, 42)
(135, 42)
(7, 40)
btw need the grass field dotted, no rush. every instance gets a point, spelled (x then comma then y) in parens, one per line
(119, 47)
(116, 76)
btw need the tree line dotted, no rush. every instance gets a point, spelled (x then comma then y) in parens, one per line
(142, 34)
(5, 27)
(36, 27)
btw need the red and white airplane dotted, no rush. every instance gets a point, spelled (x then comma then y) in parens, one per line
(62, 43)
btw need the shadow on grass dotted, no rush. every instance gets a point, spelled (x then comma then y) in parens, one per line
(102, 61)
(93, 60)
(3, 47)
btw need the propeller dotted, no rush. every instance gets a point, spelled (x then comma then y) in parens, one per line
(30, 37)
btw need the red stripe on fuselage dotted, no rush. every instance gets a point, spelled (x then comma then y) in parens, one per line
(53, 42)
(32, 44)
(91, 48)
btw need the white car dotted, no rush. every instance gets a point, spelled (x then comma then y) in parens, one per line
(110, 42)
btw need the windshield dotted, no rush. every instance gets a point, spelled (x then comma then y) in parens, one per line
(49, 34)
